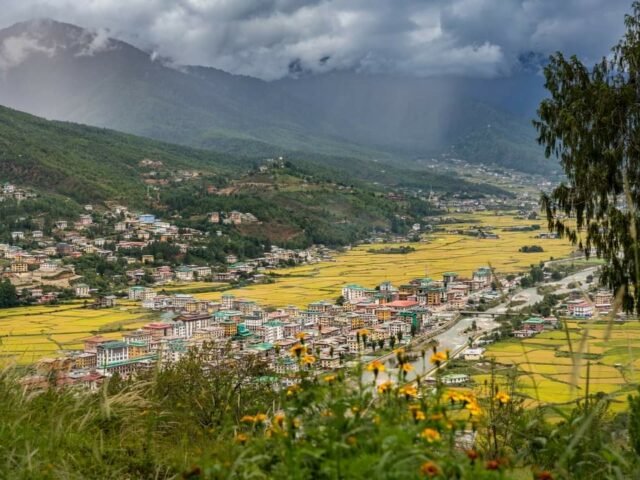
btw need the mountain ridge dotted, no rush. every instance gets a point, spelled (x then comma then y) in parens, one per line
(69, 73)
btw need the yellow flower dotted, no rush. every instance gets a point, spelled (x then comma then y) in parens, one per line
(293, 389)
(418, 415)
(430, 435)
(438, 358)
(474, 409)
(278, 419)
(297, 350)
(259, 418)
(301, 335)
(408, 391)
(326, 413)
(308, 359)
(248, 419)
(330, 378)
(363, 332)
(241, 438)
(452, 396)
(429, 469)
(351, 440)
(436, 417)
(376, 367)
(502, 398)
(385, 387)
(407, 367)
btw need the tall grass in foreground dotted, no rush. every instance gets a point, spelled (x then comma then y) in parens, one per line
(183, 422)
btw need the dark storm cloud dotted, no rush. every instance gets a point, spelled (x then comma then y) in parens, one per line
(273, 38)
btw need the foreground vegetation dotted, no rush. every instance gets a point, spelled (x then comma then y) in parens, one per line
(183, 422)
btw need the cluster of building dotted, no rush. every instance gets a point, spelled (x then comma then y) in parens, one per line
(581, 306)
(362, 321)
(33, 258)
(10, 191)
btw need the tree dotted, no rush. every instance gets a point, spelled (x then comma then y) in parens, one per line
(591, 122)
(8, 295)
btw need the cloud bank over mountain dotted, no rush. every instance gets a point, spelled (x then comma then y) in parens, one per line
(272, 39)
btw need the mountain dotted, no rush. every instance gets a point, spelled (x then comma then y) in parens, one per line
(61, 71)
(299, 200)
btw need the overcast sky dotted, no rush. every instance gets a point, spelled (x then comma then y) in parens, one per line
(270, 38)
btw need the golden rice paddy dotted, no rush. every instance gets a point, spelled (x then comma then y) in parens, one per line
(442, 252)
(553, 369)
(30, 333)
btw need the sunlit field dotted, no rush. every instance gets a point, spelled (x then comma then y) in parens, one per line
(553, 369)
(30, 333)
(441, 253)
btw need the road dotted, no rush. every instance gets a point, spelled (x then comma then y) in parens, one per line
(455, 338)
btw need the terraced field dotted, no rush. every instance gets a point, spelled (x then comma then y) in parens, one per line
(553, 369)
(441, 253)
(30, 333)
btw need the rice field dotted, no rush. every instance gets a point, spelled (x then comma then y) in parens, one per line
(553, 369)
(30, 333)
(441, 252)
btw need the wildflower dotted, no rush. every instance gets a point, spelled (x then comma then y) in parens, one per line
(376, 367)
(502, 398)
(260, 418)
(492, 465)
(327, 413)
(279, 419)
(417, 414)
(430, 435)
(351, 440)
(296, 423)
(355, 409)
(330, 378)
(452, 396)
(297, 350)
(293, 389)
(308, 359)
(472, 455)
(438, 357)
(363, 332)
(241, 438)
(429, 469)
(385, 387)
(408, 391)
(407, 367)
(301, 335)
(436, 417)
(248, 419)
(544, 475)
(474, 409)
